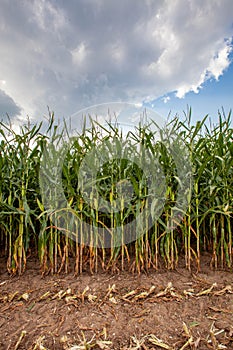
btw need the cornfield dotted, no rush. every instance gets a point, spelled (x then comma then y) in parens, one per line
(28, 226)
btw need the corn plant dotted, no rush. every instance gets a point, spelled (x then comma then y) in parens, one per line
(106, 216)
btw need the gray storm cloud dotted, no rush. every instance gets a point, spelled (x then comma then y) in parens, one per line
(71, 54)
(7, 106)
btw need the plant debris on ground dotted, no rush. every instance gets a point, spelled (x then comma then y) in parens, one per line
(172, 310)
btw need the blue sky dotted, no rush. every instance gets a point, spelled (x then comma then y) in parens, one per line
(70, 55)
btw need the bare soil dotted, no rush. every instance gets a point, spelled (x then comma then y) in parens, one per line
(159, 310)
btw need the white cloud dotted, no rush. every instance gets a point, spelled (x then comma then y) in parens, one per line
(73, 54)
(166, 99)
(220, 62)
(79, 54)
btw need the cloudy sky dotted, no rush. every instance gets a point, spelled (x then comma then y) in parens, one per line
(72, 54)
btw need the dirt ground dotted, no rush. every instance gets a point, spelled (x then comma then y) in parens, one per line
(161, 310)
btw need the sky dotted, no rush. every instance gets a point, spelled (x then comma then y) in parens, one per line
(69, 55)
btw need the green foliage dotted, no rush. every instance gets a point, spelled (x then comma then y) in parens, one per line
(115, 197)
